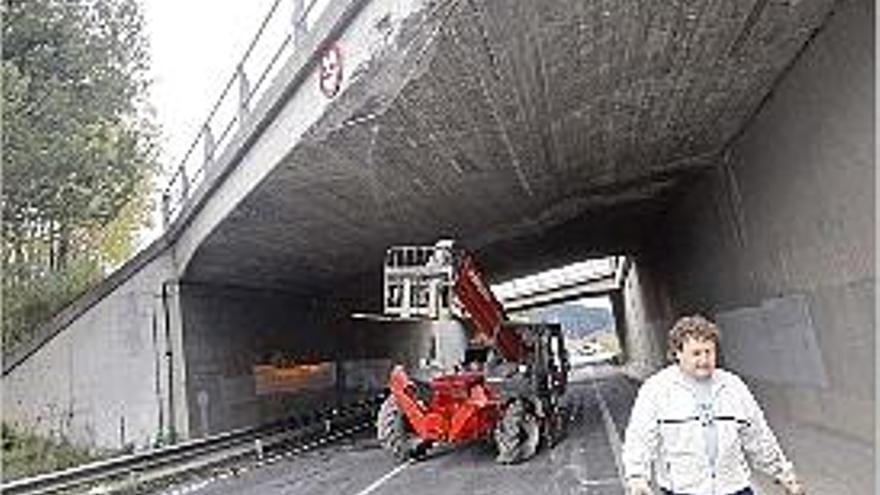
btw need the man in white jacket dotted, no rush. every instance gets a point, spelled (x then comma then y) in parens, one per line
(697, 428)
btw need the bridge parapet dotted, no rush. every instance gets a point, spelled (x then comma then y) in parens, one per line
(282, 35)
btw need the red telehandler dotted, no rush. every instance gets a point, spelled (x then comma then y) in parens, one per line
(484, 378)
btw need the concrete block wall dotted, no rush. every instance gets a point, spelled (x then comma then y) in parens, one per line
(229, 330)
(102, 381)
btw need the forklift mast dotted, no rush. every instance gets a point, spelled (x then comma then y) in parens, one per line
(420, 280)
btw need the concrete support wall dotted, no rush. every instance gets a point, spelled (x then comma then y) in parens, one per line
(778, 246)
(103, 381)
(646, 316)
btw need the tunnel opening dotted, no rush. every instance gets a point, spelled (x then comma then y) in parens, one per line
(588, 324)
(578, 296)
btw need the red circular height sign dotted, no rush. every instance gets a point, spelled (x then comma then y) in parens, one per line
(331, 71)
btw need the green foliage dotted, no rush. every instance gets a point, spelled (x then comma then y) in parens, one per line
(78, 149)
(26, 454)
(164, 439)
(76, 71)
(27, 304)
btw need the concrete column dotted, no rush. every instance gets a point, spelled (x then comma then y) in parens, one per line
(210, 144)
(244, 94)
(299, 21)
(175, 361)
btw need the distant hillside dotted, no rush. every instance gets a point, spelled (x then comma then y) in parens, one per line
(576, 320)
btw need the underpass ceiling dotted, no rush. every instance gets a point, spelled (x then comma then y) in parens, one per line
(529, 131)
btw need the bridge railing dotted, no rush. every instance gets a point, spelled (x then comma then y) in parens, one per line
(276, 41)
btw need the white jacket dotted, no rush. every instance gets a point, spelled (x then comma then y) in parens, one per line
(664, 430)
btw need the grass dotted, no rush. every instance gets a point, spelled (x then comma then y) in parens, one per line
(26, 454)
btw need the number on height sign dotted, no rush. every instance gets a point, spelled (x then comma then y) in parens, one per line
(331, 71)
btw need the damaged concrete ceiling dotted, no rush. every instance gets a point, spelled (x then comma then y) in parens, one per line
(529, 131)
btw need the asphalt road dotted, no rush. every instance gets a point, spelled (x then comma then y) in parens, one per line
(585, 462)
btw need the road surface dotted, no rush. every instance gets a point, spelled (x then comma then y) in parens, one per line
(585, 462)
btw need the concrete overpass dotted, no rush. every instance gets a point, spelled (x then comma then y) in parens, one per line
(725, 147)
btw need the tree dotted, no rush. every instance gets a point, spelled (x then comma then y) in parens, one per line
(78, 149)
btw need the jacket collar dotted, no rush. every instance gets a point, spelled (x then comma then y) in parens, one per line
(679, 378)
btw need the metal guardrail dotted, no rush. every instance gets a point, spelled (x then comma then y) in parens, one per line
(182, 457)
(277, 39)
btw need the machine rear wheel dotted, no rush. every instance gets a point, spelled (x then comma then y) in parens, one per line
(517, 434)
(555, 425)
(393, 432)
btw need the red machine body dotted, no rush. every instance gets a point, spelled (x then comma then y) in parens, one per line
(461, 406)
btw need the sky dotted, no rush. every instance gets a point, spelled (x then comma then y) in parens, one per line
(195, 46)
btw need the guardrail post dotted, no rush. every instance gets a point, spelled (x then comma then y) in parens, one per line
(299, 21)
(184, 184)
(209, 145)
(244, 94)
(258, 449)
(166, 210)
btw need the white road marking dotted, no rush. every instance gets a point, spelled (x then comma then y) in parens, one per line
(600, 482)
(390, 474)
(613, 434)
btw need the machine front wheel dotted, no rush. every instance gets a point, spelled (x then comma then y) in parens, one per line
(393, 431)
(517, 434)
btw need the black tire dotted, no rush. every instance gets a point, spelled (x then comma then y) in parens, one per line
(393, 431)
(556, 426)
(517, 434)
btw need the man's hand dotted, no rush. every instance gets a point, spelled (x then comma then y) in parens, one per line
(638, 486)
(791, 484)
(793, 487)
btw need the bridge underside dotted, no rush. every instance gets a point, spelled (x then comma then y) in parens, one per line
(517, 130)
